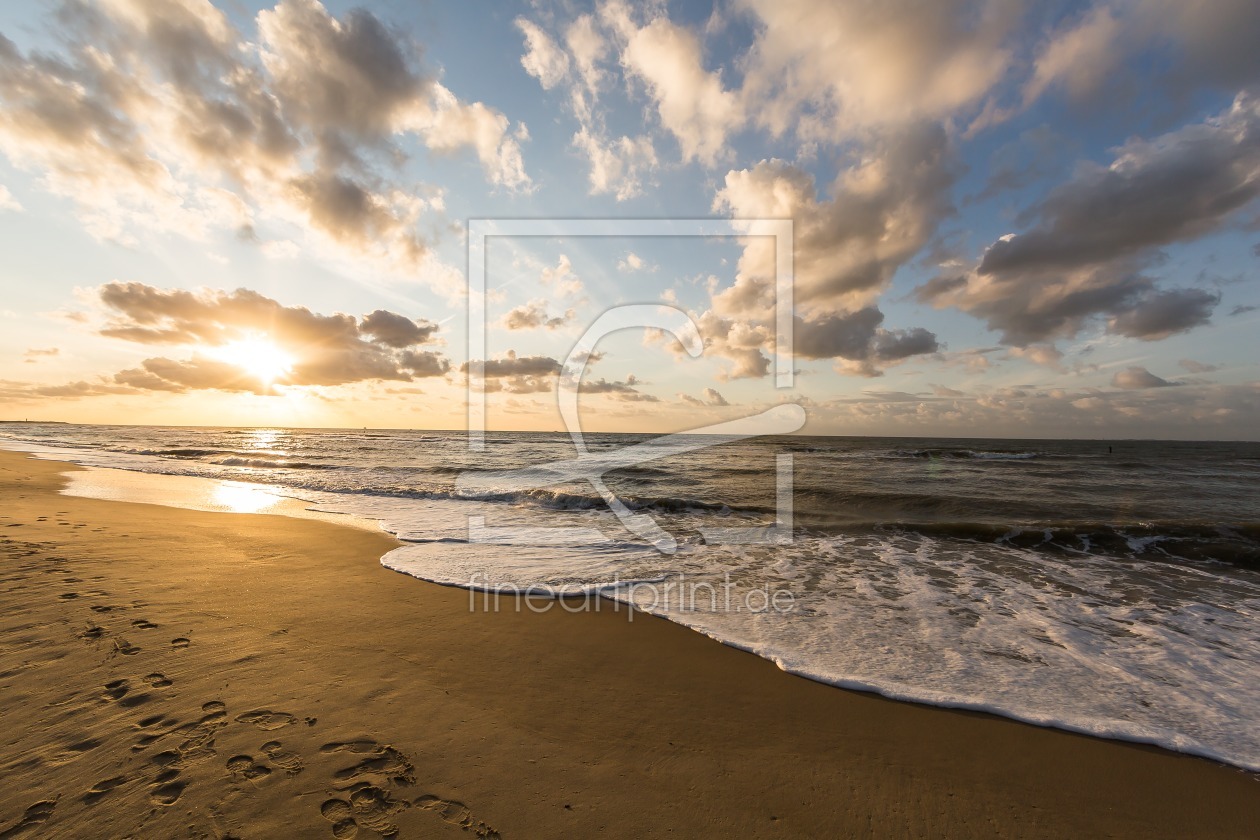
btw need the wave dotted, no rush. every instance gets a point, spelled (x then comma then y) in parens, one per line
(970, 454)
(1233, 543)
(263, 463)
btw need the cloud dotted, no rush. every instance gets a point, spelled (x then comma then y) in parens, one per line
(857, 337)
(692, 103)
(1198, 367)
(621, 166)
(1184, 49)
(518, 374)
(1155, 192)
(1162, 314)
(1135, 378)
(325, 349)
(198, 373)
(160, 117)
(632, 262)
(843, 69)
(881, 211)
(625, 391)
(8, 202)
(394, 330)
(1094, 238)
(1243, 309)
(533, 315)
(34, 354)
(709, 398)
(1079, 56)
(561, 277)
(543, 59)
(943, 391)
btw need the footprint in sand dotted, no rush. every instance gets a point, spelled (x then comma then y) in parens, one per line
(287, 761)
(143, 624)
(92, 633)
(35, 816)
(373, 808)
(158, 680)
(103, 787)
(385, 762)
(457, 813)
(267, 720)
(124, 648)
(244, 768)
(167, 794)
(116, 690)
(181, 642)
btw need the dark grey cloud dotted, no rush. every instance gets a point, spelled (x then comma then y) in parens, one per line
(1174, 188)
(1243, 309)
(394, 330)
(1162, 314)
(857, 337)
(518, 374)
(1136, 378)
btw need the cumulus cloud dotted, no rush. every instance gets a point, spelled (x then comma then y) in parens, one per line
(1162, 314)
(1136, 378)
(1155, 192)
(1094, 238)
(857, 338)
(691, 102)
(534, 315)
(841, 69)
(626, 391)
(621, 166)
(325, 349)
(709, 398)
(632, 262)
(880, 212)
(561, 277)
(518, 374)
(543, 59)
(161, 116)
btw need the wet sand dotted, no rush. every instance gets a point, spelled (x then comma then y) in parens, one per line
(176, 673)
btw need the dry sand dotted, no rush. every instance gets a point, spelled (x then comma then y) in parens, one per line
(173, 673)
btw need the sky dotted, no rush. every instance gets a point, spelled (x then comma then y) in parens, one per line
(1010, 218)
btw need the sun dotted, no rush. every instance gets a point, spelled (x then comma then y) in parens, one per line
(258, 356)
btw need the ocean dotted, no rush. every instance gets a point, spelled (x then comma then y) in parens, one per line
(1102, 587)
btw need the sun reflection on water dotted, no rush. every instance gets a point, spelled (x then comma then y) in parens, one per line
(241, 498)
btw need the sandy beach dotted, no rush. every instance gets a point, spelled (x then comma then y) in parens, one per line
(174, 673)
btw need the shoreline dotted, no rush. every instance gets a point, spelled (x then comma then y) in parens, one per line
(133, 484)
(554, 723)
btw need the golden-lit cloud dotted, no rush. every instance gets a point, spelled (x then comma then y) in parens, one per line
(244, 341)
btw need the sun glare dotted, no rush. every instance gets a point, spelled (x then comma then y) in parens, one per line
(257, 356)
